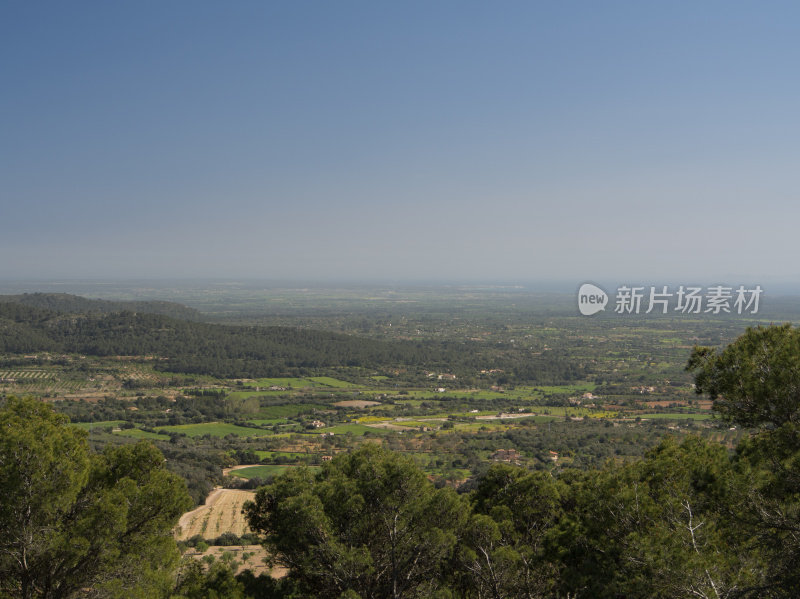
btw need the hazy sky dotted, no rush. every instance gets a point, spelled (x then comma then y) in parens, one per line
(406, 140)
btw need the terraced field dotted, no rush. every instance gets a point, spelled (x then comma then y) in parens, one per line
(41, 382)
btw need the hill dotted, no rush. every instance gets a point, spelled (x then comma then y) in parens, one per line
(194, 347)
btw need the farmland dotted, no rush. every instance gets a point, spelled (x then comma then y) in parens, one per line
(526, 375)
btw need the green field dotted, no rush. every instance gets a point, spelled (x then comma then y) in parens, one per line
(259, 471)
(574, 412)
(263, 471)
(215, 429)
(676, 416)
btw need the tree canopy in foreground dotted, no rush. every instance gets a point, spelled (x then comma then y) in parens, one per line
(369, 522)
(71, 519)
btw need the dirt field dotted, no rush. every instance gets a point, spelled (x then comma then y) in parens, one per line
(221, 513)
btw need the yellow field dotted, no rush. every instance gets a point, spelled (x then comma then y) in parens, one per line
(221, 513)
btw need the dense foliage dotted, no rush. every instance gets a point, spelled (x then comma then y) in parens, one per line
(677, 523)
(371, 523)
(756, 379)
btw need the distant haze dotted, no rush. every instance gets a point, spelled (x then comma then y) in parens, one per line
(416, 141)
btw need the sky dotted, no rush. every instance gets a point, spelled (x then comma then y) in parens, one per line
(436, 141)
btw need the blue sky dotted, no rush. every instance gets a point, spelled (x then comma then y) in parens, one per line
(418, 140)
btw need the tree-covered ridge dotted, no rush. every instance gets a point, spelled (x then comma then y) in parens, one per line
(230, 351)
(75, 304)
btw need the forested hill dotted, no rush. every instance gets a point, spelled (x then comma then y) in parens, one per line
(221, 350)
(74, 304)
(230, 351)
